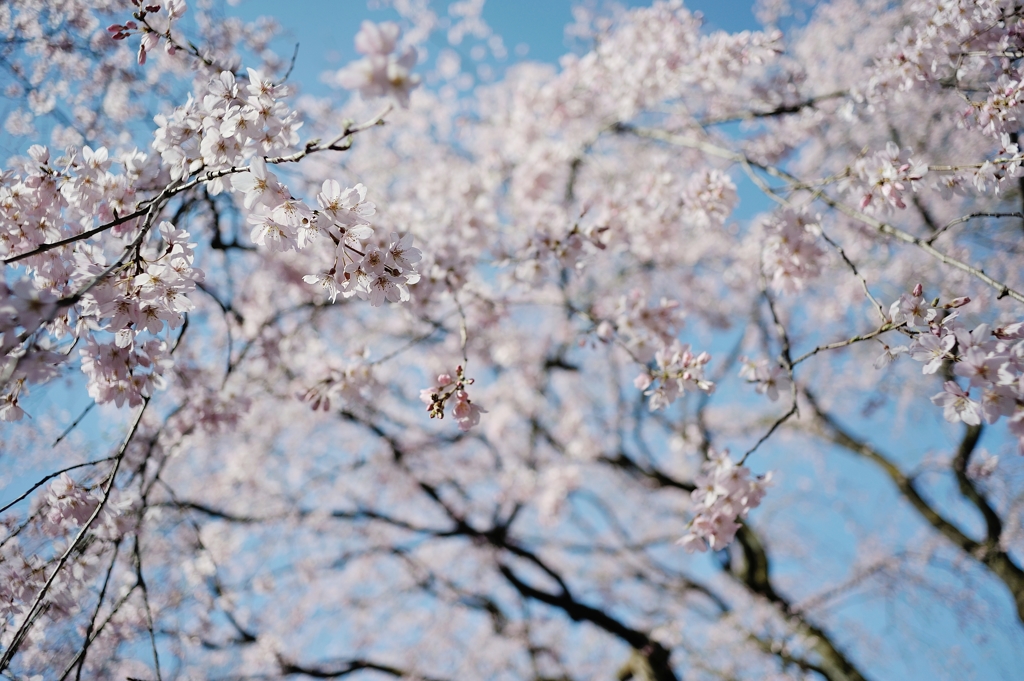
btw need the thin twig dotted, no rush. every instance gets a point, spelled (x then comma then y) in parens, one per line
(145, 600)
(36, 609)
(87, 642)
(882, 227)
(74, 424)
(856, 273)
(51, 476)
(842, 344)
(174, 189)
(787, 362)
(965, 218)
(291, 65)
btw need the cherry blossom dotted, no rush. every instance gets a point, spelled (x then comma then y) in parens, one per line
(383, 71)
(724, 495)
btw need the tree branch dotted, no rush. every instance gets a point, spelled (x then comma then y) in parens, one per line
(986, 552)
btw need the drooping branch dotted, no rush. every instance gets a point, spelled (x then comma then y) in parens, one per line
(754, 572)
(881, 227)
(987, 551)
(970, 491)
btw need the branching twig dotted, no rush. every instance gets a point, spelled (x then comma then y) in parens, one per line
(842, 344)
(74, 424)
(965, 218)
(51, 476)
(173, 189)
(787, 363)
(882, 227)
(36, 609)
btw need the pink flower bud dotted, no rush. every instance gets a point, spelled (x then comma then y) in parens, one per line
(918, 290)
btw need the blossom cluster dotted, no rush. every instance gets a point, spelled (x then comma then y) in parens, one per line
(769, 379)
(68, 505)
(957, 45)
(50, 200)
(69, 193)
(725, 493)
(676, 370)
(885, 175)
(660, 53)
(642, 328)
(384, 70)
(78, 291)
(990, 360)
(372, 273)
(147, 296)
(793, 254)
(946, 41)
(219, 128)
(466, 412)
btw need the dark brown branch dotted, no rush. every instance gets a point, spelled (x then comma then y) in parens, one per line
(141, 581)
(87, 642)
(289, 668)
(754, 572)
(781, 110)
(987, 552)
(993, 523)
(657, 656)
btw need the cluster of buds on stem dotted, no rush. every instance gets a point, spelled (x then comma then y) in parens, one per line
(150, 24)
(437, 397)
